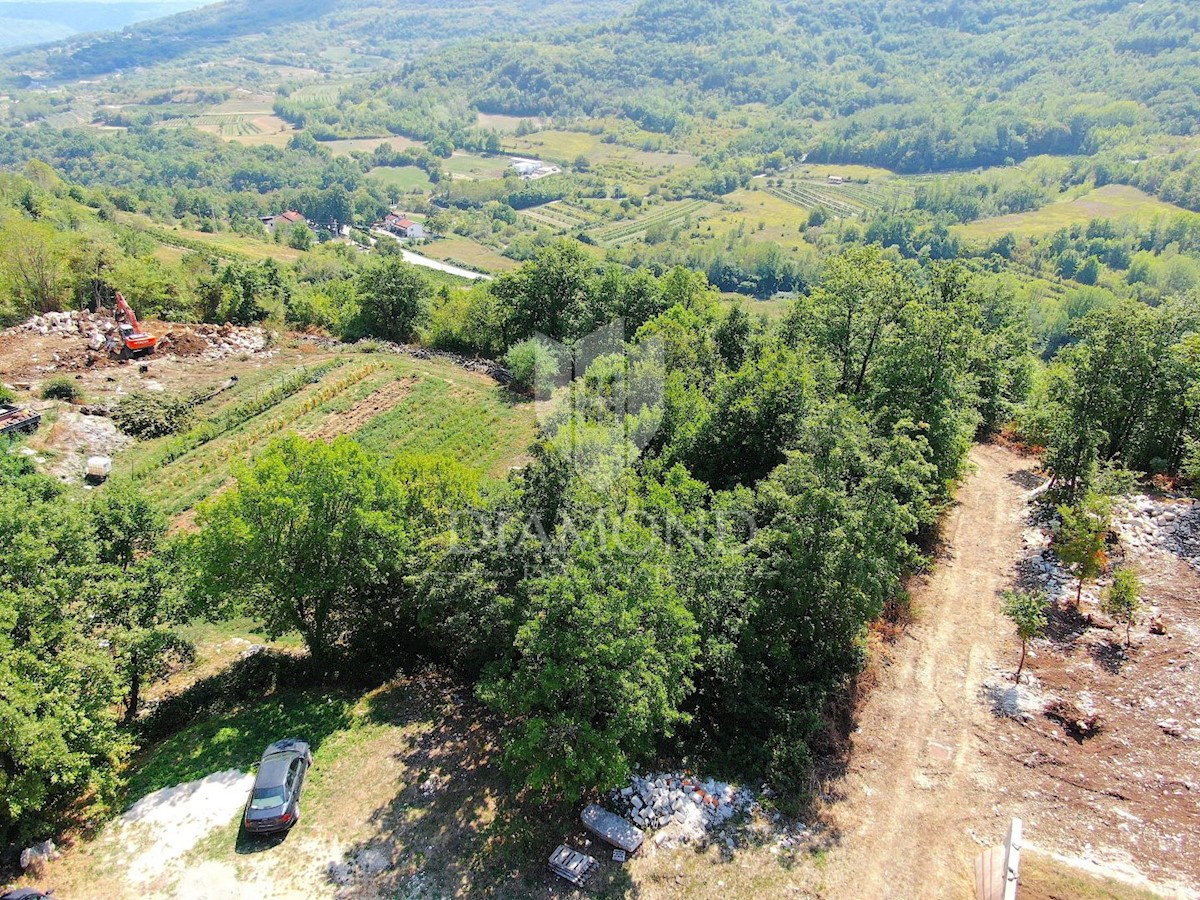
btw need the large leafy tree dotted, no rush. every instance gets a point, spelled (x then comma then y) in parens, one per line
(552, 294)
(135, 586)
(604, 661)
(310, 540)
(392, 294)
(836, 517)
(58, 731)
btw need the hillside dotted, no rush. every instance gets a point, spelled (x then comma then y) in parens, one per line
(303, 35)
(777, 423)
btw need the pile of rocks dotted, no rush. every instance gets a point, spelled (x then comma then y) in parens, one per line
(94, 328)
(99, 331)
(1168, 523)
(228, 340)
(692, 805)
(1041, 568)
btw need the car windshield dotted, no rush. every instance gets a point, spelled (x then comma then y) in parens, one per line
(267, 798)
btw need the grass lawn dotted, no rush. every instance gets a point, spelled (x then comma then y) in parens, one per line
(562, 145)
(476, 166)
(408, 179)
(366, 145)
(222, 243)
(467, 253)
(500, 123)
(1044, 878)
(1113, 201)
(747, 208)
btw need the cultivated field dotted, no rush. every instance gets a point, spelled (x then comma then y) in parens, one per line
(1113, 201)
(666, 216)
(392, 404)
(469, 254)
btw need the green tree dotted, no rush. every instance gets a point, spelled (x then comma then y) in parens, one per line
(534, 367)
(1027, 610)
(1122, 599)
(58, 732)
(1079, 539)
(309, 541)
(604, 663)
(392, 295)
(300, 237)
(551, 294)
(135, 590)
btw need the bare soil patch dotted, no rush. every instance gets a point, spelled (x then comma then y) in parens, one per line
(375, 404)
(949, 749)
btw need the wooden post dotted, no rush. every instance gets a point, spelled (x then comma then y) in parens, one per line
(998, 871)
(1012, 860)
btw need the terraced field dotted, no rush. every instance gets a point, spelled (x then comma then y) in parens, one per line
(391, 404)
(810, 196)
(668, 214)
(560, 215)
(844, 200)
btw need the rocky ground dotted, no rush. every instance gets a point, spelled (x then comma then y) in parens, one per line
(91, 339)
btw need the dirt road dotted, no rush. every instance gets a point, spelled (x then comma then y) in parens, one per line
(917, 798)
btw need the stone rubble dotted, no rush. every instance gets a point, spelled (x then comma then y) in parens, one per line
(1170, 524)
(99, 333)
(689, 807)
(1163, 523)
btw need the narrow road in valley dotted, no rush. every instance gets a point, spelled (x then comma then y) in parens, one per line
(917, 800)
(418, 260)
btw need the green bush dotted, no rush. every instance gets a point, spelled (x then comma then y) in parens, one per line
(534, 367)
(146, 415)
(7, 395)
(61, 388)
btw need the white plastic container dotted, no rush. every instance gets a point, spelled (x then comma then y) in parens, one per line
(99, 467)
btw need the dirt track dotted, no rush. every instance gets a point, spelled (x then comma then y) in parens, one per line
(917, 790)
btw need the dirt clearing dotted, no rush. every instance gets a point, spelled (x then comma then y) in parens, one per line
(917, 800)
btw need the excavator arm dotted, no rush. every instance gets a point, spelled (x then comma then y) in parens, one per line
(134, 341)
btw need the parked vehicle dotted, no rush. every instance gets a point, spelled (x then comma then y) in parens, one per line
(274, 803)
(27, 894)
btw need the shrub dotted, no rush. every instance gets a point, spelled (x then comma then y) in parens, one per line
(7, 395)
(61, 388)
(534, 367)
(146, 415)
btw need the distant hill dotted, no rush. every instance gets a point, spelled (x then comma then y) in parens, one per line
(305, 33)
(22, 24)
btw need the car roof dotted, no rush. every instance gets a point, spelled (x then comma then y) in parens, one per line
(294, 746)
(273, 770)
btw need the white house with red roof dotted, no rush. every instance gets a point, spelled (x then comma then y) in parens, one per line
(402, 226)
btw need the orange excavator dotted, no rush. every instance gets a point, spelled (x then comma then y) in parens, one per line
(134, 341)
